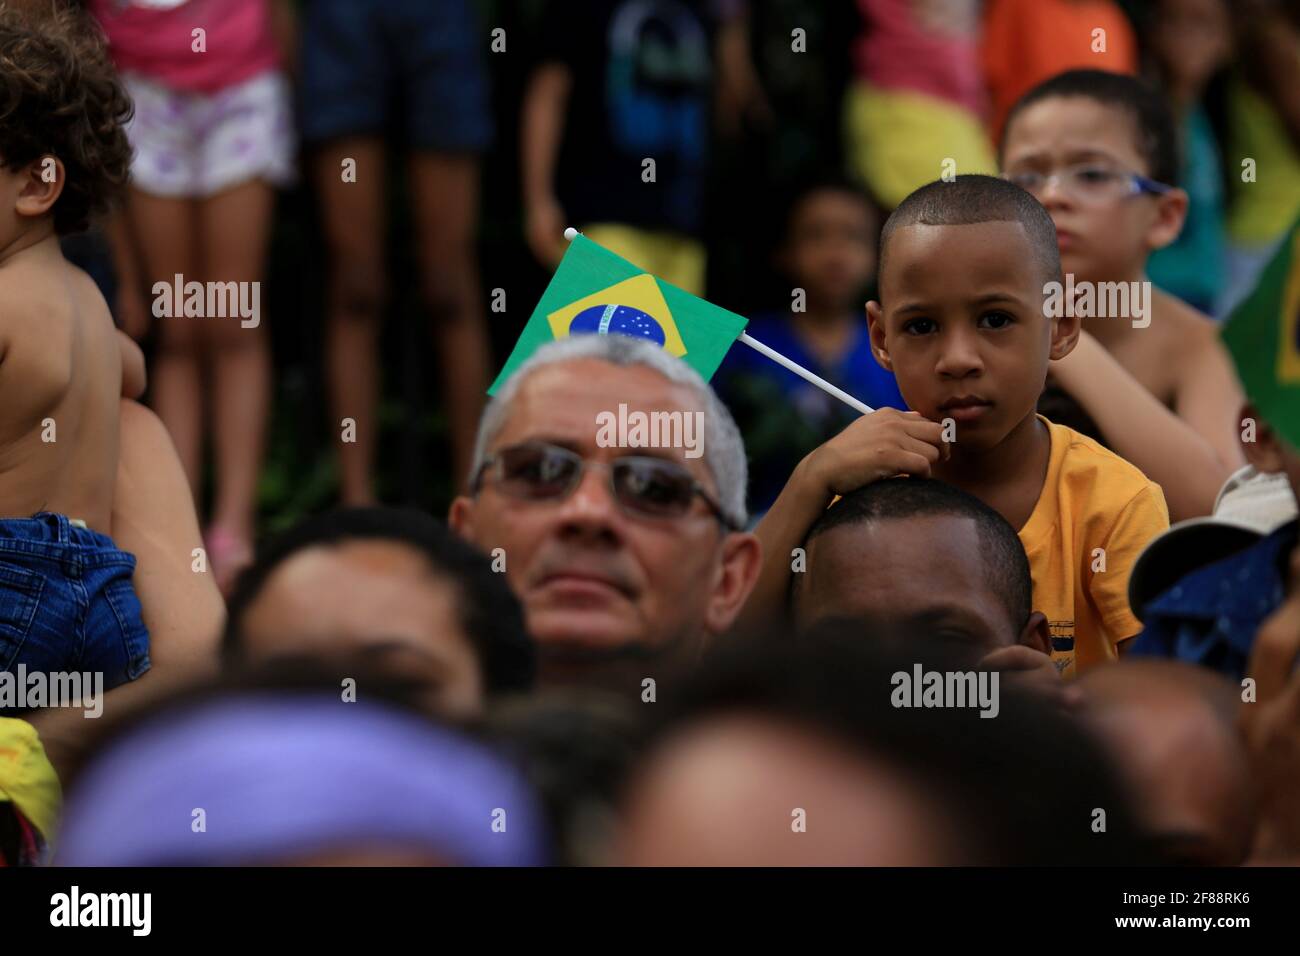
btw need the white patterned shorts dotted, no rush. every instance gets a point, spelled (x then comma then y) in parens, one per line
(195, 145)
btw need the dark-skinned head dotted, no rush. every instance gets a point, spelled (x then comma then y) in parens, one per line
(769, 729)
(829, 246)
(960, 321)
(391, 587)
(1171, 729)
(917, 555)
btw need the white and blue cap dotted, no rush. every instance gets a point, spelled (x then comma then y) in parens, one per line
(1251, 504)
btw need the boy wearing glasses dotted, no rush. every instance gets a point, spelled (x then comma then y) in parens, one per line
(1099, 151)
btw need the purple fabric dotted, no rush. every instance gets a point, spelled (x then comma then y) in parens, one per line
(285, 775)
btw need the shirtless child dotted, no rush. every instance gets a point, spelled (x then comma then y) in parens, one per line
(1099, 151)
(67, 602)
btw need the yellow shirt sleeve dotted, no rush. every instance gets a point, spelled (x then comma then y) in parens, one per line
(1142, 519)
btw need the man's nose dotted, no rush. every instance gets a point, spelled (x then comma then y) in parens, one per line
(591, 504)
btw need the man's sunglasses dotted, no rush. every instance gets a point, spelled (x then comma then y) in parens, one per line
(641, 484)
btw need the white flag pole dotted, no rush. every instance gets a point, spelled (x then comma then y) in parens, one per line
(804, 374)
(781, 360)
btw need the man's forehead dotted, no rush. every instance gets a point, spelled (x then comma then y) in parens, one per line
(564, 400)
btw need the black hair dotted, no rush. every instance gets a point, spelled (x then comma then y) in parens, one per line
(1005, 565)
(61, 97)
(1022, 788)
(1152, 122)
(969, 199)
(576, 748)
(489, 612)
(825, 181)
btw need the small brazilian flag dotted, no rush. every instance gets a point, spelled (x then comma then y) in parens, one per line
(596, 292)
(1263, 336)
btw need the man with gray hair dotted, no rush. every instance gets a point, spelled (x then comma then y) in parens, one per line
(626, 548)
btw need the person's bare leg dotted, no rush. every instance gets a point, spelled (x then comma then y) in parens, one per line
(154, 519)
(353, 214)
(165, 232)
(445, 192)
(234, 227)
(132, 305)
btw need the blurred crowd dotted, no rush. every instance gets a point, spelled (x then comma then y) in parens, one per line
(476, 133)
(610, 658)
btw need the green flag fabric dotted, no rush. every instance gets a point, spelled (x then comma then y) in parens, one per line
(596, 292)
(1263, 336)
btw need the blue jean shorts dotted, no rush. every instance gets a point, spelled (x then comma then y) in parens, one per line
(67, 602)
(366, 63)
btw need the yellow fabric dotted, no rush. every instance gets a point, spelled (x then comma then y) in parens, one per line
(1262, 210)
(672, 257)
(26, 778)
(898, 141)
(1095, 511)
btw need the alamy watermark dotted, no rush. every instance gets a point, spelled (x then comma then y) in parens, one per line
(626, 429)
(923, 688)
(1098, 300)
(75, 908)
(209, 300)
(21, 689)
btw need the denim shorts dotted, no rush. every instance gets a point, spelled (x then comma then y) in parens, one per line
(67, 602)
(368, 63)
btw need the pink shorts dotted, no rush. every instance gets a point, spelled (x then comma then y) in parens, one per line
(195, 145)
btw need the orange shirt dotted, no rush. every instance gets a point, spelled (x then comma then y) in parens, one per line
(1094, 516)
(1027, 41)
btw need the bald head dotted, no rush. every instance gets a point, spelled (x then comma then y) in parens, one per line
(1172, 730)
(739, 789)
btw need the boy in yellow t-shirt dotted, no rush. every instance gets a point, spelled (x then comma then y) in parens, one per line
(962, 324)
(1094, 516)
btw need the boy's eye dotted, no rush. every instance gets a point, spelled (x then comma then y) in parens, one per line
(995, 320)
(919, 326)
(1026, 180)
(1094, 175)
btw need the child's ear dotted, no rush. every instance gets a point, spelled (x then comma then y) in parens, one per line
(1260, 443)
(42, 186)
(876, 328)
(1065, 334)
(1171, 213)
(1036, 634)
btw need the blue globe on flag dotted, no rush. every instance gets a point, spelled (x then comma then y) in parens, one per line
(620, 320)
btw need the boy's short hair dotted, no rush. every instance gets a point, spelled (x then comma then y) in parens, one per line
(1005, 563)
(966, 200)
(1154, 130)
(60, 96)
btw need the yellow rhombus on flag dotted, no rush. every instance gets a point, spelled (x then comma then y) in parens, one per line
(595, 292)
